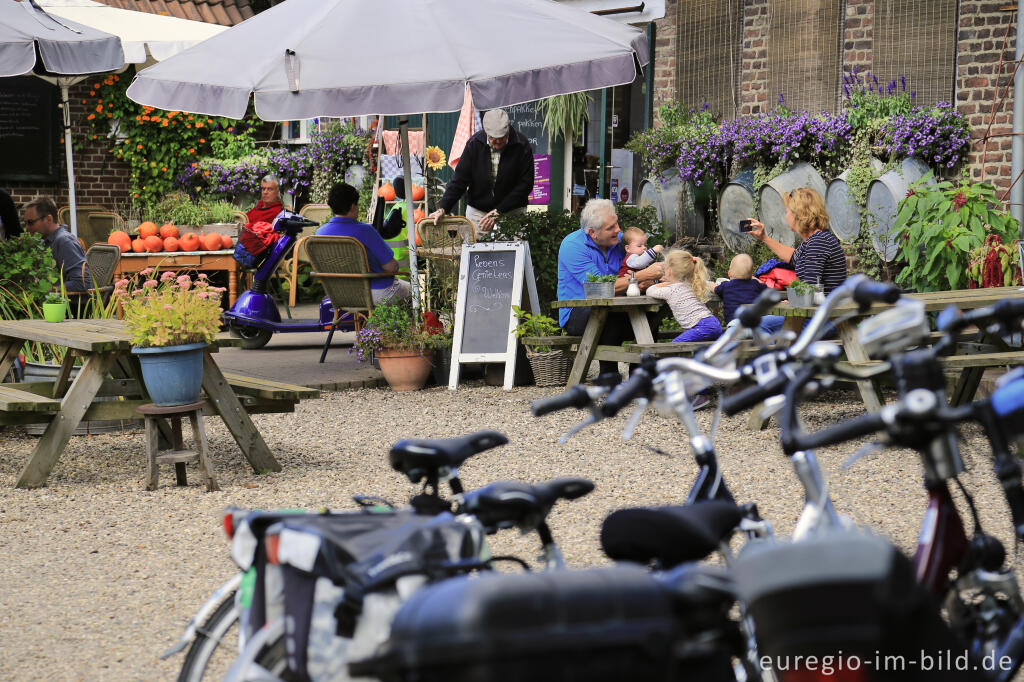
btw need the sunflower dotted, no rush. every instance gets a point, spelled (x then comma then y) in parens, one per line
(435, 158)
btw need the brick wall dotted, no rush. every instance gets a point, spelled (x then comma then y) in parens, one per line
(99, 177)
(979, 84)
(663, 58)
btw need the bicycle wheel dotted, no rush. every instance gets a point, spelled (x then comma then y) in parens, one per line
(207, 657)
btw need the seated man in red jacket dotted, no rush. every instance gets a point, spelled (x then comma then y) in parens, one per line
(269, 208)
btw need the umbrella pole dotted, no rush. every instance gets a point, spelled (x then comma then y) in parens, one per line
(66, 107)
(410, 225)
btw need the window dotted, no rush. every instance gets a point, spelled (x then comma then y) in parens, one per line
(708, 57)
(917, 39)
(804, 48)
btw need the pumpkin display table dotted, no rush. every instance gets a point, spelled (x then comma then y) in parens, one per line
(199, 261)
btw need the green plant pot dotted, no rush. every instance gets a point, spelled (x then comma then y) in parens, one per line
(55, 312)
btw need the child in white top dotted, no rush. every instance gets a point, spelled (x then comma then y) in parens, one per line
(634, 242)
(685, 287)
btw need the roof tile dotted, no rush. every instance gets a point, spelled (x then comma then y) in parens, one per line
(222, 12)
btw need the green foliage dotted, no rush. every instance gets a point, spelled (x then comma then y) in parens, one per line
(544, 231)
(55, 297)
(392, 326)
(591, 277)
(659, 146)
(564, 115)
(307, 287)
(937, 227)
(28, 268)
(535, 325)
(157, 144)
(798, 287)
(166, 309)
(646, 218)
(179, 209)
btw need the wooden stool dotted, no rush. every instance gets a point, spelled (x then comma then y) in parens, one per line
(177, 455)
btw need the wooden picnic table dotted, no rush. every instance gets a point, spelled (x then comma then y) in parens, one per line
(972, 366)
(109, 368)
(588, 350)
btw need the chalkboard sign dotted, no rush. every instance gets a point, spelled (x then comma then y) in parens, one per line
(528, 121)
(28, 129)
(491, 279)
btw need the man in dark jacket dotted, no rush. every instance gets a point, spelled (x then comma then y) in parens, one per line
(10, 226)
(495, 172)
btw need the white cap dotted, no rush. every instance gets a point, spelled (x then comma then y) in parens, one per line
(496, 123)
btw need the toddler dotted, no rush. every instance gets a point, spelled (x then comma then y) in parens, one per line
(740, 288)
(638, 256)
(685, 287)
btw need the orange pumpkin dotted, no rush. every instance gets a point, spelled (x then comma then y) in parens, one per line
(212, 241)
(171, 244)
(417, 216)
(147, 229)
(226, 242)
(138, 246)
(418, 192)
(387, 191)
(153, 244)
(169, 230)
(121, 239)
(189, 242)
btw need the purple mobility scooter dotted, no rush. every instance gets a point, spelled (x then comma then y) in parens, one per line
(255, 318)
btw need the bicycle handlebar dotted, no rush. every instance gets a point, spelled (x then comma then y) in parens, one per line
(869, 291)
(622, 395)
(750, 315)
(862, 425)
(577, 396)
(748, 397)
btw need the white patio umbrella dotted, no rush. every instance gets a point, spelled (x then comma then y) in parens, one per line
(145, 37)
(309, 58)
(68, 52)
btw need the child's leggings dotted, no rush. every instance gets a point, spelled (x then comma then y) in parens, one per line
(706, 329)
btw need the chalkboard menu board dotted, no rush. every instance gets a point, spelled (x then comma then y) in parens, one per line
(491, 277)
(527, 120)
(488, 301)
(29, 129)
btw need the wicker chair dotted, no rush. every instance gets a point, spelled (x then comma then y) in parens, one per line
(82, 211)
(442, 252)
(102, 260)
(341, 265)
(319, 213)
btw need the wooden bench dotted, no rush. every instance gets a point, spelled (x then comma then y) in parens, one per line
(17, 400)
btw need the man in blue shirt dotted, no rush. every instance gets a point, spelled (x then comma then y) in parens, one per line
(596, 248)
(344, 201)
(41, 218)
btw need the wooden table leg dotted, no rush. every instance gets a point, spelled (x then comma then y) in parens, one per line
(9, 349)
(233, 286)
(855, 353)
(72, 408)
(588, 344)
(641, 326)
(227, 405)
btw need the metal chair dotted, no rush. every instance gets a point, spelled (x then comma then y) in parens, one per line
(319, 213)
(341, 265)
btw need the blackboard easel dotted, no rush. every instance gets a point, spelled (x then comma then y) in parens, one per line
(491, 276)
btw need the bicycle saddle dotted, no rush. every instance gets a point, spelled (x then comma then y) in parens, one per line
(672, 535)
(507, 503)
(420, 458)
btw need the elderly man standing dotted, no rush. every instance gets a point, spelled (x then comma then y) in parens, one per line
(41, 218)
(495, 172)
(596, 248)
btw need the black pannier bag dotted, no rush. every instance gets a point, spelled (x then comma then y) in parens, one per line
(611, 624)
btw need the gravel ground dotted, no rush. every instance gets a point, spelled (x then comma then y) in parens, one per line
(100, 576)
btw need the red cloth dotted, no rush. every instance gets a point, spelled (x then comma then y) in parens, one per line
(263, 213)
(256, 237)
(778, 278)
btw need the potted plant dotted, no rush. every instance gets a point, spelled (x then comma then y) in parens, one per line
(599, 286)
(801, 294)
(171, 320)
(399, 343)
(55, 307)
(550, 365)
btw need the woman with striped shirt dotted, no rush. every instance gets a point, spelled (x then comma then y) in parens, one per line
(819, 259)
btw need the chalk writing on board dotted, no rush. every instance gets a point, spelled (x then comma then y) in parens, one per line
(528, 121)
(489, 283)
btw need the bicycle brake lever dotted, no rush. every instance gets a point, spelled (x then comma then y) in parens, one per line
(634, 418)
(592, 419)
(863, 451)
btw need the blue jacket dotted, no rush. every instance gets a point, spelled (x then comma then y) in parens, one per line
(579, 256)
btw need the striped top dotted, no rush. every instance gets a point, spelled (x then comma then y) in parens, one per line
(686, 307)
(820, 257)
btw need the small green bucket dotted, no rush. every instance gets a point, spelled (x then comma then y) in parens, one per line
(55, 312)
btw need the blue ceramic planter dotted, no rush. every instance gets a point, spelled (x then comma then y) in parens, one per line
(173, 374)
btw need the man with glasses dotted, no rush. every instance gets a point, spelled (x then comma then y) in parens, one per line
(41, 218)
(495, 173)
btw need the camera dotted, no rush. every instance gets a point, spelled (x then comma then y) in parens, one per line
(746, 225)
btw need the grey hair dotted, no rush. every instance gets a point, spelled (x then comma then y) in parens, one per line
(271, 178)
(591, 218)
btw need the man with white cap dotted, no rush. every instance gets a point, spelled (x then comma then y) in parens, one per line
(495, 173)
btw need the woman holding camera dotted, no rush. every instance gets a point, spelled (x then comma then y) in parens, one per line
(819, 259)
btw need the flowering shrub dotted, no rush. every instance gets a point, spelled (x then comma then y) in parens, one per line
(660, 147)
(938, 135)
(866, 101)
(391, 326)
(169, 310)
(157, 144)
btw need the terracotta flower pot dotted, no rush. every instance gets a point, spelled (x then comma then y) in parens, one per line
(405, 370)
